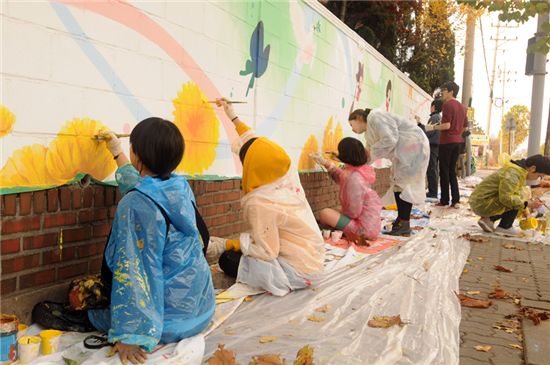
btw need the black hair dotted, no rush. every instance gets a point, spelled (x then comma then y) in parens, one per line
(451, 86)
(438, 104)
(361, 113)
(244, 148)
(352, 152)
(159, 145)
(541, 163)
(388, 87)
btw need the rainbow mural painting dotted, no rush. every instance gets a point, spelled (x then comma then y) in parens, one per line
(71, 68)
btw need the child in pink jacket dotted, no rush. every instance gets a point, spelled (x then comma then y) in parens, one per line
(361, 206)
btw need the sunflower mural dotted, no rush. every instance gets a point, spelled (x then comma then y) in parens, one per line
(26, 167)
(74, 151)
(199, 125)
(332, 138)
(7, 120)
(311, 146)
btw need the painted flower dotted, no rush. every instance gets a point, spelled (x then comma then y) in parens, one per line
(330, 138)
(74, 151)
(26, 167)
(311, 146)
(199, 126)
(7, 119)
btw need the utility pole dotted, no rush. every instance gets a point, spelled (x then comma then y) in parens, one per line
(467, 79)
(537, 94)
(504, 76)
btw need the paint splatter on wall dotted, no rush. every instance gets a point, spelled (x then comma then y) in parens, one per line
(112, 64)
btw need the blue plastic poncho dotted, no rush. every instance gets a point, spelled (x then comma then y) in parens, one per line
(162, 286)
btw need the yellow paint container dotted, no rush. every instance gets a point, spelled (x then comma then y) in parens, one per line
(528, 223)
(29, 348)
(391, 207)
(50, 341)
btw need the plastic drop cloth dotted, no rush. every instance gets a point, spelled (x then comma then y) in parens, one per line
(406, 145)
(416, 280)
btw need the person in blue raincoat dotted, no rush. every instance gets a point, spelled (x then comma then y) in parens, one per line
(161, 285)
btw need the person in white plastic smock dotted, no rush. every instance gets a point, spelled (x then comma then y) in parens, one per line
(499, 196)
(283, 251)
(390, 136)
(161, 285)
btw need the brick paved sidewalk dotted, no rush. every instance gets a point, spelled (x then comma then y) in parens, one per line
(530, 278)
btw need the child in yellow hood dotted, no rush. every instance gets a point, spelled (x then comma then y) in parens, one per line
(284, 249)
(498, 196)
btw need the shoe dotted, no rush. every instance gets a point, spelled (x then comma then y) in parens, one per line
(431, 196)
(486, 224)
(440, 204)
(455, 205)
(401, 229)
(512, 231)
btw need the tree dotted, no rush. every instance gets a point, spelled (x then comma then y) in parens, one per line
(522, 117)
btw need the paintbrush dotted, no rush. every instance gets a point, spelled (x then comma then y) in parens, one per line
(100, 137)
(229, 101)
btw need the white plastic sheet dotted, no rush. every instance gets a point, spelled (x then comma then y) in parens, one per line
(416, 280)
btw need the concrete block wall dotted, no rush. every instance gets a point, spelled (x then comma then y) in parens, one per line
(35, 269)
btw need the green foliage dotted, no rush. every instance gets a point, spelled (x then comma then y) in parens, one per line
(518, 11)
(521, 115)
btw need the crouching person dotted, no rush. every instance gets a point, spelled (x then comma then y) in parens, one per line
(284, 249)
(498, 197)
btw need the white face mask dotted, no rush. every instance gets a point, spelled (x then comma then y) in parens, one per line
(532, 182)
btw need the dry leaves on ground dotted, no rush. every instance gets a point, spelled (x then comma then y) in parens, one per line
(267, 359)
(248, 298)
(473, 292)
(324, 309)
(533, 314)
(511, 326)
(515, 346)
(483, 348)
(474, 238)
(469, 302)
(223, 357)
(520, 261)
(502, 268)
(385, 321)
(498, 293)
(314, 318)
(513, 247)
(267, 339)
(304, 356)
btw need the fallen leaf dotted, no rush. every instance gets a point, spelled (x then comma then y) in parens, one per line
(484, 348)
(223, 357)
(502, 268)
(480, 258)
(385, 321)
(465, 271)
(248, 298)
(315, 318)
(466, 301)
(515, 346)
(267, 339)
(498, 293)
(304, 356)
(324, 309)
(474, 238)
(517, 301)
(426, 265)
(230, 333)
(473, 292)
(267, 359)
(534, 315)
(512, 247)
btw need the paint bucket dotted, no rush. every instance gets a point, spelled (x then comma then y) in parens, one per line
(326, 234)
(528, 223)
(29, 348)
(50, 341)
(336, 236)
(8, 338)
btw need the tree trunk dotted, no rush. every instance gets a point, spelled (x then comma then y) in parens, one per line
(343, 9)
(547, 140)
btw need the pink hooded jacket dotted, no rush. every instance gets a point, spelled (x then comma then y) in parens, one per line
(359, 202)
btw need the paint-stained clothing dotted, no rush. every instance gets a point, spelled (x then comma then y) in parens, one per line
(401, 141)
(162, 287)
(500, 192)
(359, 202)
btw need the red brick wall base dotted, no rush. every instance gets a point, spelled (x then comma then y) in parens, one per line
(34, 265)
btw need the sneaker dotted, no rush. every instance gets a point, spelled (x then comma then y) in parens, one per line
(486, 224)
(455, 205)
(401, 229)
(512, 231)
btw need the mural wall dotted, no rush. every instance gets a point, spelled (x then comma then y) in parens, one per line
(72, 68)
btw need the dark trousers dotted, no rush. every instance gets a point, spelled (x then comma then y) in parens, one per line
(229, 262)
(433, 171)
(448, 156)
(403, 208)
(506, 218)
